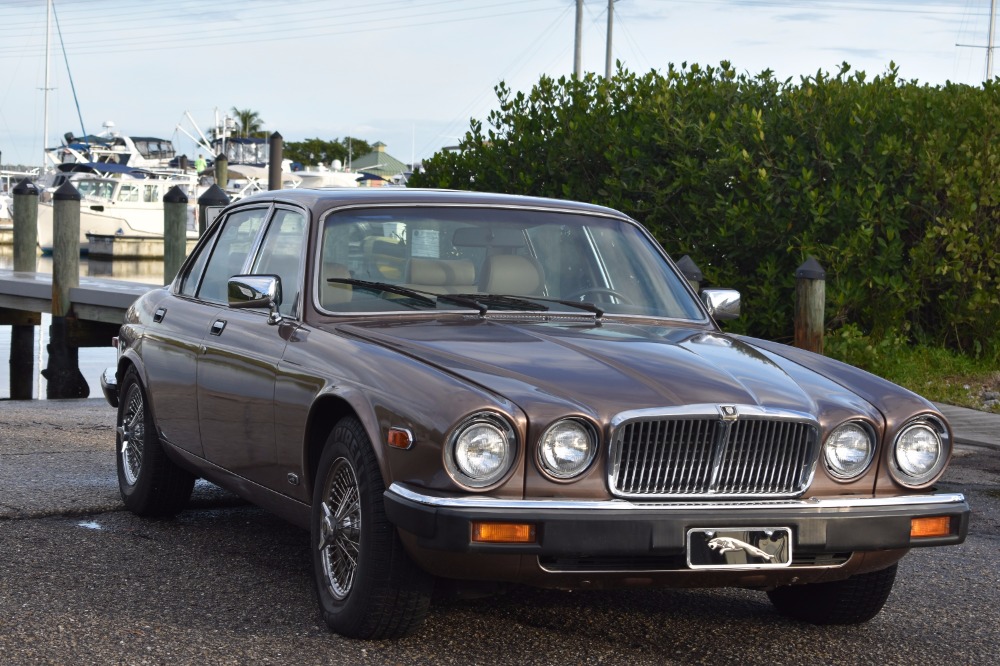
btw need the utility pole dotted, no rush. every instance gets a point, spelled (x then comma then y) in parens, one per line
(577, 54)
(990, 46)
(989, 49)
(607, 58)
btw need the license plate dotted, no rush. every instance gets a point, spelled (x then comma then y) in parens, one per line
(739, 548)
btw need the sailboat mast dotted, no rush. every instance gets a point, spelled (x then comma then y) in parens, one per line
(45, 112)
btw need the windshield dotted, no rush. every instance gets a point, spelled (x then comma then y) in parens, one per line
(414, 258)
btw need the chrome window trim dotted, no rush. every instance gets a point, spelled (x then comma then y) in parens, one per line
(614, 505)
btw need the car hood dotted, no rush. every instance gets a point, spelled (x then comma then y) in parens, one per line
(608, 368)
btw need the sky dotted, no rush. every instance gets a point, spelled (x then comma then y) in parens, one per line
(411, 73)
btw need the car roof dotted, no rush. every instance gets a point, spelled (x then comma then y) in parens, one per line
(326, 198)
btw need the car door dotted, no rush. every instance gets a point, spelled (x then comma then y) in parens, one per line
(240, 356)
(171, 347)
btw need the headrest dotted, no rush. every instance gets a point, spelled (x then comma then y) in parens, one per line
(511, 274)
(442, 272)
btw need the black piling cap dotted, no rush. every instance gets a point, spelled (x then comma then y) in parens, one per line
(67, 192)
(213, 196)
(810, 270)
(26, 187)
(175, 195)
(689, 269)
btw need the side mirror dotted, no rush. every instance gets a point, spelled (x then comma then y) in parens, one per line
(256, 291)
(722, 304)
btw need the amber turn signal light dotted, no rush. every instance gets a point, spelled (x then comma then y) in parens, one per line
(503, 533)
(934, 526)
(399, 438)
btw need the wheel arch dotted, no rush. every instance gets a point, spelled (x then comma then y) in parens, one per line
(326, 411)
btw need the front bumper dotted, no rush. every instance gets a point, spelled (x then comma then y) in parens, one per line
(109, 386)
(619, 527)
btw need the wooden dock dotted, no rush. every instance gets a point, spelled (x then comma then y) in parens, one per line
(97, 300)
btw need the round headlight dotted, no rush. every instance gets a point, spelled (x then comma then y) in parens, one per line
(481, 451)
(567, 448)
(919, 453)
(849, 449)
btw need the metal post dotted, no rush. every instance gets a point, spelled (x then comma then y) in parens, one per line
(810, 301)
(22, 333)
(274, 166)
(175, 208)
(63, 371)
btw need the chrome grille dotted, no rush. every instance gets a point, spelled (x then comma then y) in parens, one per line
(745, 456)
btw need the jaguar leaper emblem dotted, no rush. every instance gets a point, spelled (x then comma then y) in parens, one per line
(729, 545)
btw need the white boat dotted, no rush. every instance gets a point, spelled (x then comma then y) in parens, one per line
(119, 205)
(111, 147)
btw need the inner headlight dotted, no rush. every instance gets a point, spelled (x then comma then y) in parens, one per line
(849, 449)
(919, 453)
(567, 448)
(481, 450)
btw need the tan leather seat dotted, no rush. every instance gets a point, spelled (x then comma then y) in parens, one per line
(442, 276)
(511, 274)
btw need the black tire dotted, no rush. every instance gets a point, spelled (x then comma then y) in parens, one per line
(150, 483)
(368, 587)
(852, 601)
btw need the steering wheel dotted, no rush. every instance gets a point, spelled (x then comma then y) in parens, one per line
(614, 294)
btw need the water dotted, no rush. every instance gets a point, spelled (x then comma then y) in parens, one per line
(93, 360)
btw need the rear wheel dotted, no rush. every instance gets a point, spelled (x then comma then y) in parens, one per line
(852, 601)
(368, 587)
(150, 483)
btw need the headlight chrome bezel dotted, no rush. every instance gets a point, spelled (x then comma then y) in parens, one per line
(553, 472)
(943, 442)
(500, 426)
(850, 475)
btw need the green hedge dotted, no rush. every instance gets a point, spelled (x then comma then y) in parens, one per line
(893, 186)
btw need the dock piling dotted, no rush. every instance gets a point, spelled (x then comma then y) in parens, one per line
(175, 205)
(64, 379)
(22, 324)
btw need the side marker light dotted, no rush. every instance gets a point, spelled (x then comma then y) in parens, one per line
(933, 526)
(503, 532)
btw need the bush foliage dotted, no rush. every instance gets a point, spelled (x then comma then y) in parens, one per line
(893, 186)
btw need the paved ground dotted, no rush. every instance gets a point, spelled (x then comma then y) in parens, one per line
(84, 582)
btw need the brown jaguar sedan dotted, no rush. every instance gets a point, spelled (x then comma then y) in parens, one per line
(453, 387)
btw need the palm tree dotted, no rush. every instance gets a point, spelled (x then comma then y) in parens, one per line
(248, 122)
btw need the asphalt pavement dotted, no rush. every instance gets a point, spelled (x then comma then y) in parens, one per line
(83, 581)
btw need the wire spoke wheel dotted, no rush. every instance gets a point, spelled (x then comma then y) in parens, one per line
(132, 433)
(340, 529)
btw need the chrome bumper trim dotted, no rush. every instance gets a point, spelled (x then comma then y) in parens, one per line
(480, 502)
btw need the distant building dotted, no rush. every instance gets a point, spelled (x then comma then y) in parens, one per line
(379, 164)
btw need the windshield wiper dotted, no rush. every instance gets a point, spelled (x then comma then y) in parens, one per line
(581, 305)
(503, 301)
(384, 286)
(531, 302)
(423, 297)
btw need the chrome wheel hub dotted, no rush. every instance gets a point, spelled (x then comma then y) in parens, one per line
(340, 528)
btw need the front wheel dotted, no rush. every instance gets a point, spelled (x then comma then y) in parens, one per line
(852, 601)
(150, 483)
(368, 587)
